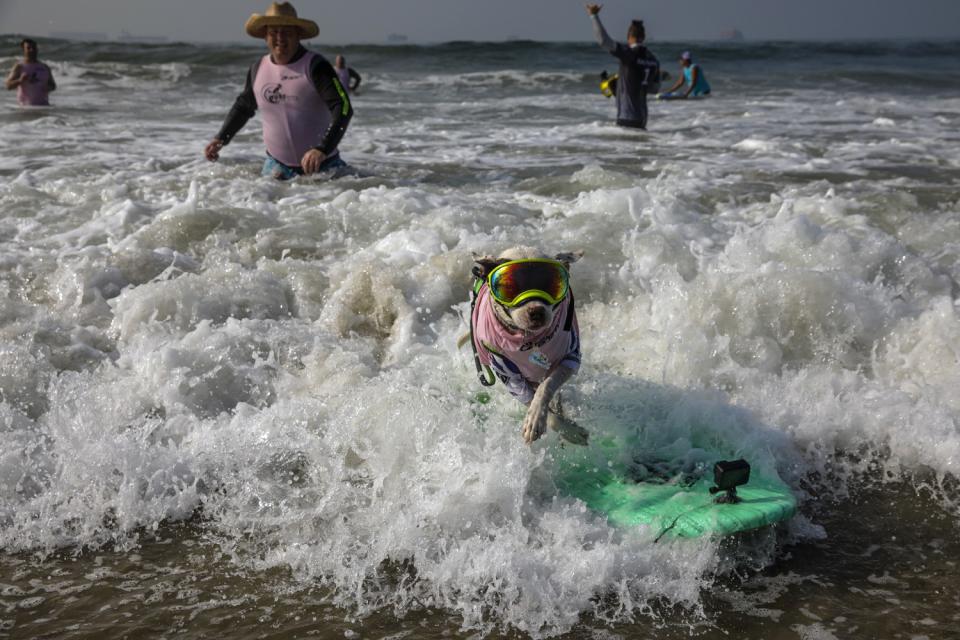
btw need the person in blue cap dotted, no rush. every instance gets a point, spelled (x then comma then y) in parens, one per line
(691, 77)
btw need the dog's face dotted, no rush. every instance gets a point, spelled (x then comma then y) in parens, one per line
(533, 314)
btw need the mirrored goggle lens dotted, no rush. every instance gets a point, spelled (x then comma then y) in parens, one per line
(509, 281)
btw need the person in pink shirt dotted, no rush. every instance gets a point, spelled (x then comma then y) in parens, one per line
(32, 79)
(304, 107)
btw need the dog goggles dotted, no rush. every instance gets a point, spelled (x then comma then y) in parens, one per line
(514, 282)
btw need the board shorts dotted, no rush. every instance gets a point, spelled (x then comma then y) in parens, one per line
(273, 168)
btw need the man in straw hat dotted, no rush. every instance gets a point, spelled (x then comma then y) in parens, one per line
(304, 107)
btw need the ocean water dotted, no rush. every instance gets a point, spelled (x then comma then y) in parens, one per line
(234, 407)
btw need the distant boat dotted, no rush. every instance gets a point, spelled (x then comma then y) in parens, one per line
(731, 34)
(126, 36)
(83, 36)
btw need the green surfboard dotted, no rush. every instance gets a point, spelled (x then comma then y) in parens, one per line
(673, 504)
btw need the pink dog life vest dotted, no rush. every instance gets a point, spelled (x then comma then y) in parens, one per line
(294, 116)
(523, 361)
(34, 92)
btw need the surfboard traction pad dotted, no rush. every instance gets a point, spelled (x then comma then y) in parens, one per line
(677, 507)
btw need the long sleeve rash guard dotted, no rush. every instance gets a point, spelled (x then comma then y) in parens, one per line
(324, 79)
(639, 74)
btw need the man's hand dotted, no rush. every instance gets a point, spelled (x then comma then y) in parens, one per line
(212, 151)
(593, 9)
(311, 161)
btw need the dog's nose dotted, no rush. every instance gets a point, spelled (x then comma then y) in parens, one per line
(538, 314)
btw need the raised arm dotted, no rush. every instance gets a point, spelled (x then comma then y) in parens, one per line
(603, 38)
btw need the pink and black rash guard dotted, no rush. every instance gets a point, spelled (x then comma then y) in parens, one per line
(294, 116)
(522, 361)
(303, 106)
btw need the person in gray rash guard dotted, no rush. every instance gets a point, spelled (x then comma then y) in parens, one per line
(639, 70)
(346, 74)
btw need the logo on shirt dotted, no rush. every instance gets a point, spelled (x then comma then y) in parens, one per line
(526, 346)
(273, 93)
(538, 359)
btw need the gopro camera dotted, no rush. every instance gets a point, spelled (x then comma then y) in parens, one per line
(728, 475)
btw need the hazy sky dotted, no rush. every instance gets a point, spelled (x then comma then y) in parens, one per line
(439, 20)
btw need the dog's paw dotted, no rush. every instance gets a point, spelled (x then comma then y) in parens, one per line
(568, 429)
(534, 425)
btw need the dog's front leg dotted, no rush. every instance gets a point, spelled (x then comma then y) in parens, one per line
(535, 422)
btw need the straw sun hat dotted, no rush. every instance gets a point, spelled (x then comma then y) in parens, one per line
(280, 14)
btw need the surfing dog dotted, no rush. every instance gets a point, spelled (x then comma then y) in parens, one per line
(523, 326)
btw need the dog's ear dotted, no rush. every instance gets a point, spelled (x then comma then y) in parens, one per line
(485, 264)
(568, 257)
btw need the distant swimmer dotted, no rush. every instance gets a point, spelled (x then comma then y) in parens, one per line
(639, 72)
(32, 79)
(346, 74)
(304, 107)
(691, 77)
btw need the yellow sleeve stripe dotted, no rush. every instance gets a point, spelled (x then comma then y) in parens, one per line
(343, 96)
